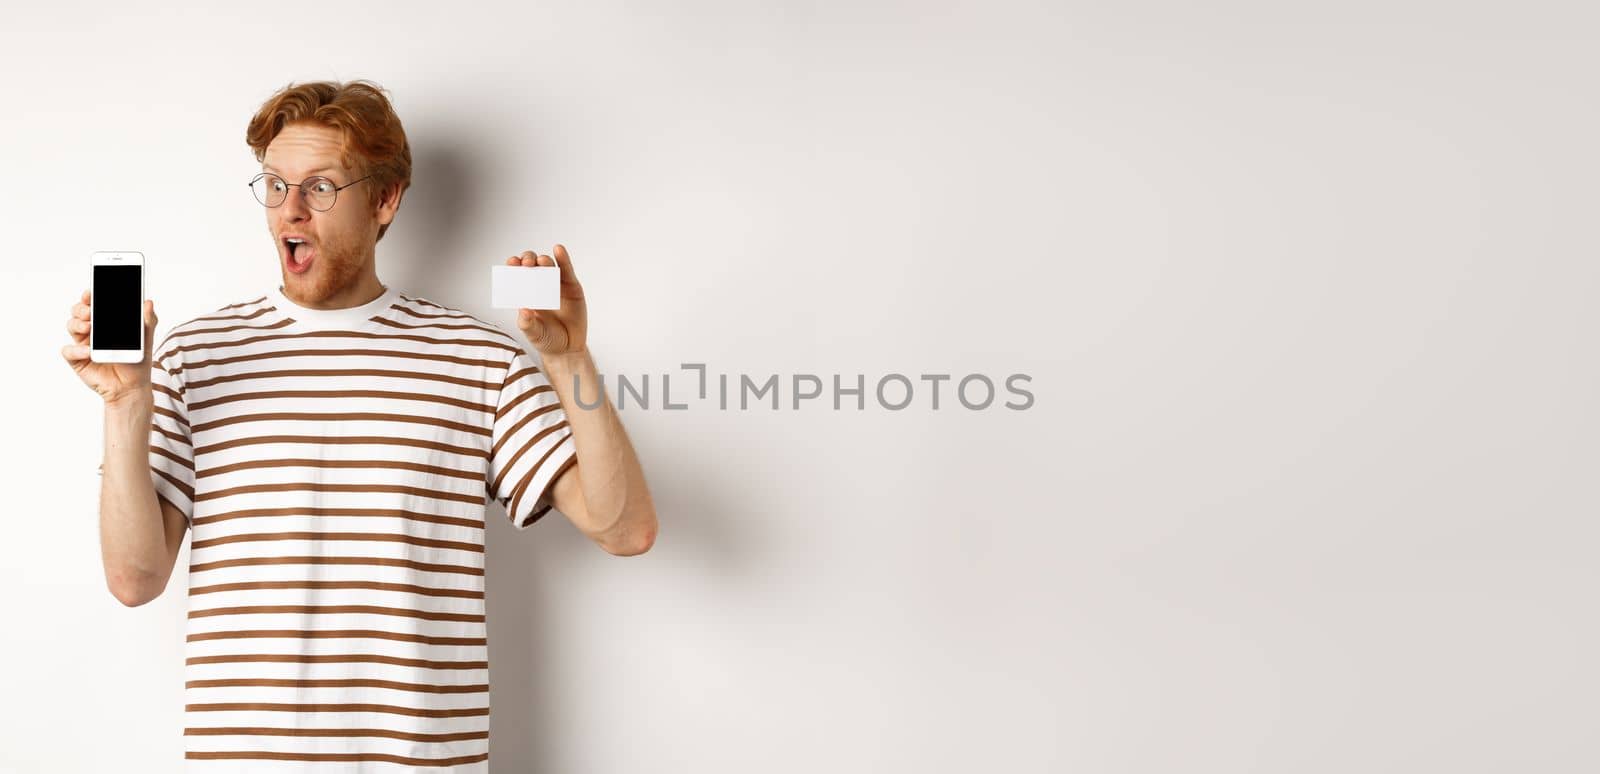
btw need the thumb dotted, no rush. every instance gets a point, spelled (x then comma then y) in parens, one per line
(149, 324)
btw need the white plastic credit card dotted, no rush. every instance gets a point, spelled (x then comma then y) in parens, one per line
(531, 287)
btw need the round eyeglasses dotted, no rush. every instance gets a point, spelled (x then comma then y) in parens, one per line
(320, 192)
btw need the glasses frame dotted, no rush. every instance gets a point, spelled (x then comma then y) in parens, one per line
(336, 189)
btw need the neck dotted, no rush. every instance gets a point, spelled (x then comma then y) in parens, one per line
(362, 291)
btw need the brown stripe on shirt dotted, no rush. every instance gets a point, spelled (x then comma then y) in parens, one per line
(522, 484)
(337, 757)
(341, 372)
(470, 475)
(426, 615)
(532, 442)
(184, 461)
(409, 539)
(345, 416)
(531, 416)
(352, 682)
(447, 327)
(517, 401)
(188, 491)
(545, 508)
(379, 561)
(334, 658)
(425, 302)
(442, 400)
(342, 439)
(436, 494)
(465, 712)
(172, 415)
(169, 434)
(326, 732)
(339, 353)
(320, 511)
(187, 332)
(241, 303)
(370, 634)
(246, 316)
(499, 342)
(432, 315)
(327, 584)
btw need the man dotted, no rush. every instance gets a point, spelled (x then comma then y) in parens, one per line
(332, 442)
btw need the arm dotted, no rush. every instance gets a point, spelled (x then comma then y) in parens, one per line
(604, 495)
(139, 538)
(140, 535)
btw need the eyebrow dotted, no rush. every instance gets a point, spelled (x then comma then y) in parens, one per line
(318, 169)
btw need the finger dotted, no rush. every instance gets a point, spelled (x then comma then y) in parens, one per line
(79, 330)
(568, 274)
(531, 323)
(545, 260)
(528, 258)
(75, 353)
(149, 325)
(80, 311)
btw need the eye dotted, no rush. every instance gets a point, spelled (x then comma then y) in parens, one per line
(275, 183)
(322, 185)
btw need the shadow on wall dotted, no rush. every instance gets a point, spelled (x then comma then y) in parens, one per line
(437, 212)
(698, 526)
(527, 650)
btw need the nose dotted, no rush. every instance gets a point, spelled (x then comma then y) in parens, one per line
(294, 205)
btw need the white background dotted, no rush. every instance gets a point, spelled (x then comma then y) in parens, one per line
(1305, 290)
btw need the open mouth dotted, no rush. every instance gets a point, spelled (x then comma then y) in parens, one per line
(298, 254)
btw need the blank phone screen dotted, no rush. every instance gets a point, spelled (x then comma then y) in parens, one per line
(115, 301)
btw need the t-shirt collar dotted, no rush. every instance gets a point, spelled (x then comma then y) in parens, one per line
(326, 319)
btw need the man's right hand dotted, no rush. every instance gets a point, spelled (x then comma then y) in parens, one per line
(117, 384)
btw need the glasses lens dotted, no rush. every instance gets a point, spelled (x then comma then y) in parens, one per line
(269, 190)
(320, 192)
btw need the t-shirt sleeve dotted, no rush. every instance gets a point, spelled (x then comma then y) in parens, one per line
(171, 447)
(531, 444)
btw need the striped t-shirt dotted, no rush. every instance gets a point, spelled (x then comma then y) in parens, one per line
(334, 466)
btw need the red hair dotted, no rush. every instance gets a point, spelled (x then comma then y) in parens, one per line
(373, 140)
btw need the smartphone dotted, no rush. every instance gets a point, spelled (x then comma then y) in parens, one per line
(116, 307)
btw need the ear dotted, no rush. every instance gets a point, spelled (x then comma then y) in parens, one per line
(390, 204)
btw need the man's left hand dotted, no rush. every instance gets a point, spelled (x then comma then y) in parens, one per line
(555, 332)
